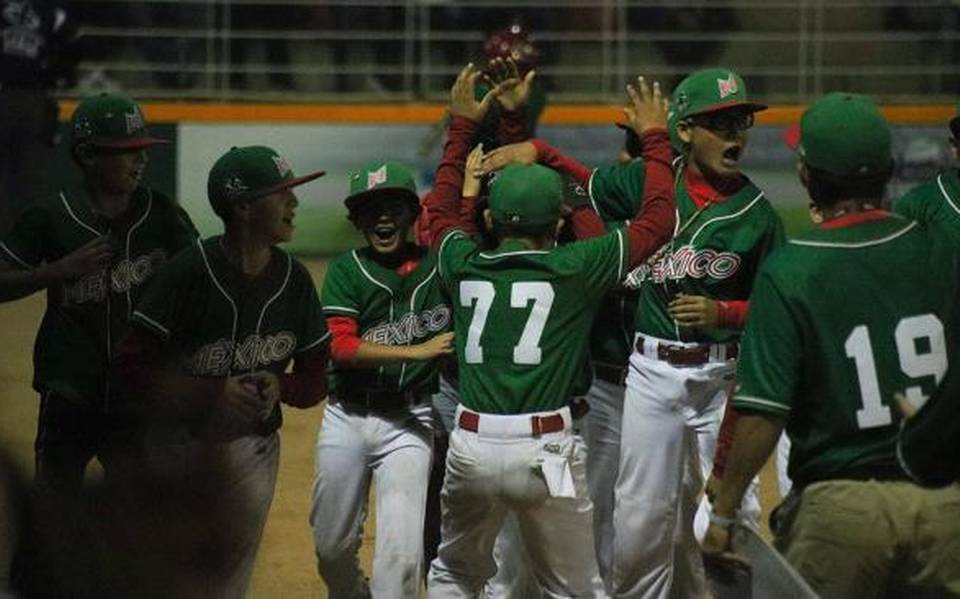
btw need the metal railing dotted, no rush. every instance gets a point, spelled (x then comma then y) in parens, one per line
(408, 50)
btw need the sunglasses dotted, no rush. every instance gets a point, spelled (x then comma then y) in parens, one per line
(724, 120)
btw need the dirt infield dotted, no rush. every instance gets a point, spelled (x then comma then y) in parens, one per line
(285, 565)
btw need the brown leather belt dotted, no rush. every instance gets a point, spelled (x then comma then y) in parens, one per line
(539, 425)
(616, 375)
(694, 355)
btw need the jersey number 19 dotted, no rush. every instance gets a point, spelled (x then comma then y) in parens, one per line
(480, 294)
(913, 363)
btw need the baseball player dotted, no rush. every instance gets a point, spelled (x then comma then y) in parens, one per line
(692, 299)
(840, 319)
(93, 247)
(390, 323)
(938, 200)
(521, 312)
(205, 363)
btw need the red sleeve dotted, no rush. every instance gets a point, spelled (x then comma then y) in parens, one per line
(586, 223)
(306, 386)
(346, 339)
(443, 199)
(724, 440)
(732, 314)
(548, 155)
(512, 126)
(653, 224)
(468, 205)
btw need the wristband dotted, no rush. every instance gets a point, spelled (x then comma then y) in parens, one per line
(722, 521)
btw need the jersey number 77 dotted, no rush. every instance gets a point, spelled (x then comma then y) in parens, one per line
(480, 295)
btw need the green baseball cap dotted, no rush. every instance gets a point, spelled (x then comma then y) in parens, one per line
(379, 180)
(843, 134)
(111, 121)
(248, 173)
(708, 90)
(526, 195)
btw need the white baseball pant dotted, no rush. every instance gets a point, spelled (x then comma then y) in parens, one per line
(671, 416)
(601, 432)
(230, 487)
(394, 449)
(502, 468)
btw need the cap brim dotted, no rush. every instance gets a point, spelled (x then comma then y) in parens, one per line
(354, 201)
(134, 143)
(752, 106)
(791, 136)
(291, 183)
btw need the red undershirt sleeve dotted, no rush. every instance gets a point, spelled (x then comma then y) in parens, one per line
(586, 223)
(306, 386)
(653, 225)
(732, 314)
(345, 338)
(443, 200)
(548, 155)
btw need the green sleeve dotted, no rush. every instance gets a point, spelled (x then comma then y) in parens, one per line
(604, 260)
(617, 190)
(25, 245)
(930, 441)
(774, 236)
(911, 204)
(165, 298)
(340, 297)
(452, 255)
(768, 369)
(314, 331)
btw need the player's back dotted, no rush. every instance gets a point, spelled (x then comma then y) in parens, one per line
(874, 301)
(523, 317)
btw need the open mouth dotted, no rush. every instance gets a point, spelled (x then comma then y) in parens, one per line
(384, 232)
(731, 156)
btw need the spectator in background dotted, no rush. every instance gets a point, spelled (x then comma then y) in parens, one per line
(36, 54)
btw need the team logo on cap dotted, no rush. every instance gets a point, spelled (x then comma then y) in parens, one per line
(727, 86)
(283, 167)
(234, 186)
(377, 177)
(83, 128)
(134, 121)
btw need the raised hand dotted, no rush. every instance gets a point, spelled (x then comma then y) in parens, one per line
(521, 153)
(646, 109)
(516, 95)
(473, 173)
(463, 101)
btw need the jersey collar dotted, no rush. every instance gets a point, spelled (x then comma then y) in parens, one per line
(703, 193)
(856, 218)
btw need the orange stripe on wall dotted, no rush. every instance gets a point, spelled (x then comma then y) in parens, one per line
(556, 114)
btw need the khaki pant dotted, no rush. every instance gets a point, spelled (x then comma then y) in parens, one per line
(875, 539)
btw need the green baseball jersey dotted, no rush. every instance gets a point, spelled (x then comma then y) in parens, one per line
(389, 310)
(86, 317)
(216, 322)
(930, 440)
(522, 317)
(716, 251)
(936, 201)
(840, 319)
(616, 201)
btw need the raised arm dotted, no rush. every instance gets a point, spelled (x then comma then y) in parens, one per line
(653, 225)
(444, 199)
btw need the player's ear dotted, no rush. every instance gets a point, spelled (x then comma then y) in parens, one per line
(804, 175)
(560, 223)
(955, 148)
(488, 220)
(685, 131)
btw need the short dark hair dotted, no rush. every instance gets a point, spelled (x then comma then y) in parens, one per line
(826, 189)
(503, 230)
